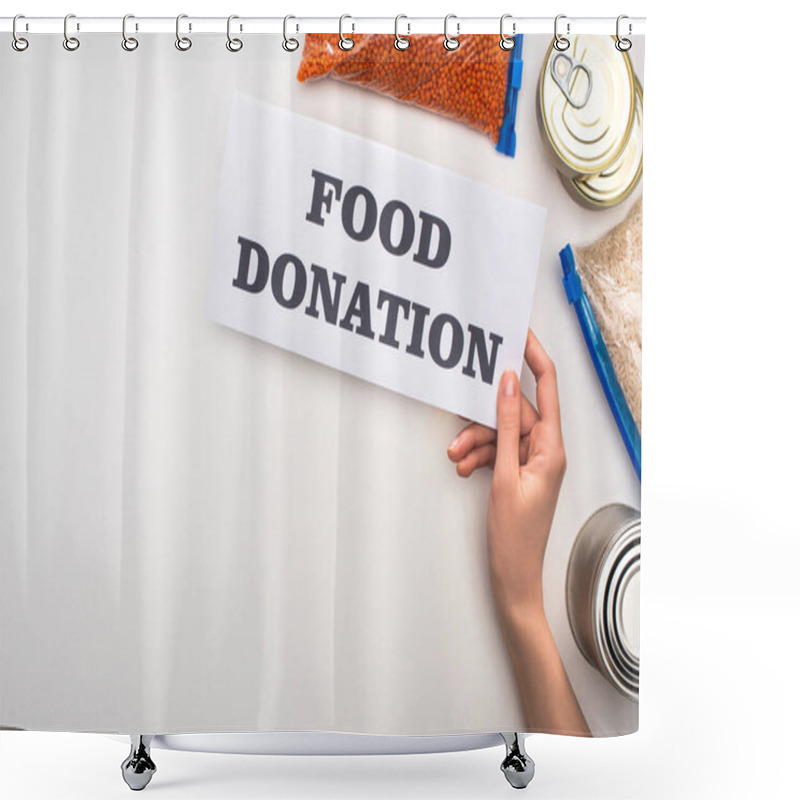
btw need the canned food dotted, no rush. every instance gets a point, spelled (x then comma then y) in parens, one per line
(586, 105)
(614, 184)
(603, 594)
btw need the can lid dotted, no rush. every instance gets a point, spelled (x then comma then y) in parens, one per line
(615, 183)
(586, 104)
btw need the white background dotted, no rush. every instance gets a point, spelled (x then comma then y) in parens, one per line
(720, 605)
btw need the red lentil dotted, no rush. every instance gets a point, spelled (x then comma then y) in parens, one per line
(468, 84)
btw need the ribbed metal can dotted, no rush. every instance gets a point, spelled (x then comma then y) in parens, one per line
(603, 594)
(617, 182)
(586, 105)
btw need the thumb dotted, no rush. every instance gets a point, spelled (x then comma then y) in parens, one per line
(506, 468)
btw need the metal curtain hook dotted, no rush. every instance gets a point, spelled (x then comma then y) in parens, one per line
(451, 42)
(182, 42)
(71, 43)
(129, 43)
(560, 43)
(507, 42)
(290, 44)
(18, 42)
(345, 42)
(400, 42)
(623, 44)
(233, 44)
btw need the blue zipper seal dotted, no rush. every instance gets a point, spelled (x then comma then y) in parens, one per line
(507, 141)
(601, 359)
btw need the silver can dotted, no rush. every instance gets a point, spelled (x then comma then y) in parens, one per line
(616, 183)
(603, 594)
(586, 105)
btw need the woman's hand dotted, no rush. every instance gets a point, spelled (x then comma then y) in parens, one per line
(527, 453)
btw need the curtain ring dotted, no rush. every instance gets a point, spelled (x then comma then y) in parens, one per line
(345, 42)
(129, 43)
(451, 42)
(622, 44)
(183, 43)
(507, 42)
(18, 42)
(71, 43)
(233, 44)
(289, 44)
(400, 42)
(561, 43)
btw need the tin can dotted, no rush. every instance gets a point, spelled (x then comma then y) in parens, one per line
(603, 594)
(614, 184)
(586, 105)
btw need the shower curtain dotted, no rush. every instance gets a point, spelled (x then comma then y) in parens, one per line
(248, 298)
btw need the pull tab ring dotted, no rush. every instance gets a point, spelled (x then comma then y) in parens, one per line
(233, 44)
(290, 44)
(561, 43)
(401, 42)
(129, 43)
(623, 44)
(562, 70)
(19, 43)
(183, 43)
(451, 42)
(71, 43)
(345, 42)
(507, 42)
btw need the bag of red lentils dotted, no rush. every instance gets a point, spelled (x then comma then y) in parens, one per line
(476, 84)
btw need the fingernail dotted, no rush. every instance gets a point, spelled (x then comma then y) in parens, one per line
(509, 383)
(454, 443)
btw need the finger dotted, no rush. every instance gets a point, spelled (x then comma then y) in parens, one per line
(475, 459)
(524, 449)
(506, 468)
(474, 435)
(529, 416)
(544, 371)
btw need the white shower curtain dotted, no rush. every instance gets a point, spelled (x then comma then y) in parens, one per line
(203, 532)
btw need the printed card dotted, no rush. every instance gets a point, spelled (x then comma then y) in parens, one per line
(371, 261)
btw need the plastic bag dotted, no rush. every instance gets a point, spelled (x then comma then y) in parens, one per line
(604, 282)
(476, 84)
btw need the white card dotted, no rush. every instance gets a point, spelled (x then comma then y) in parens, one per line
(370, 261)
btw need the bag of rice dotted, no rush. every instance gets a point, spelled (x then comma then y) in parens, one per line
(604, 282)
(476, 84)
